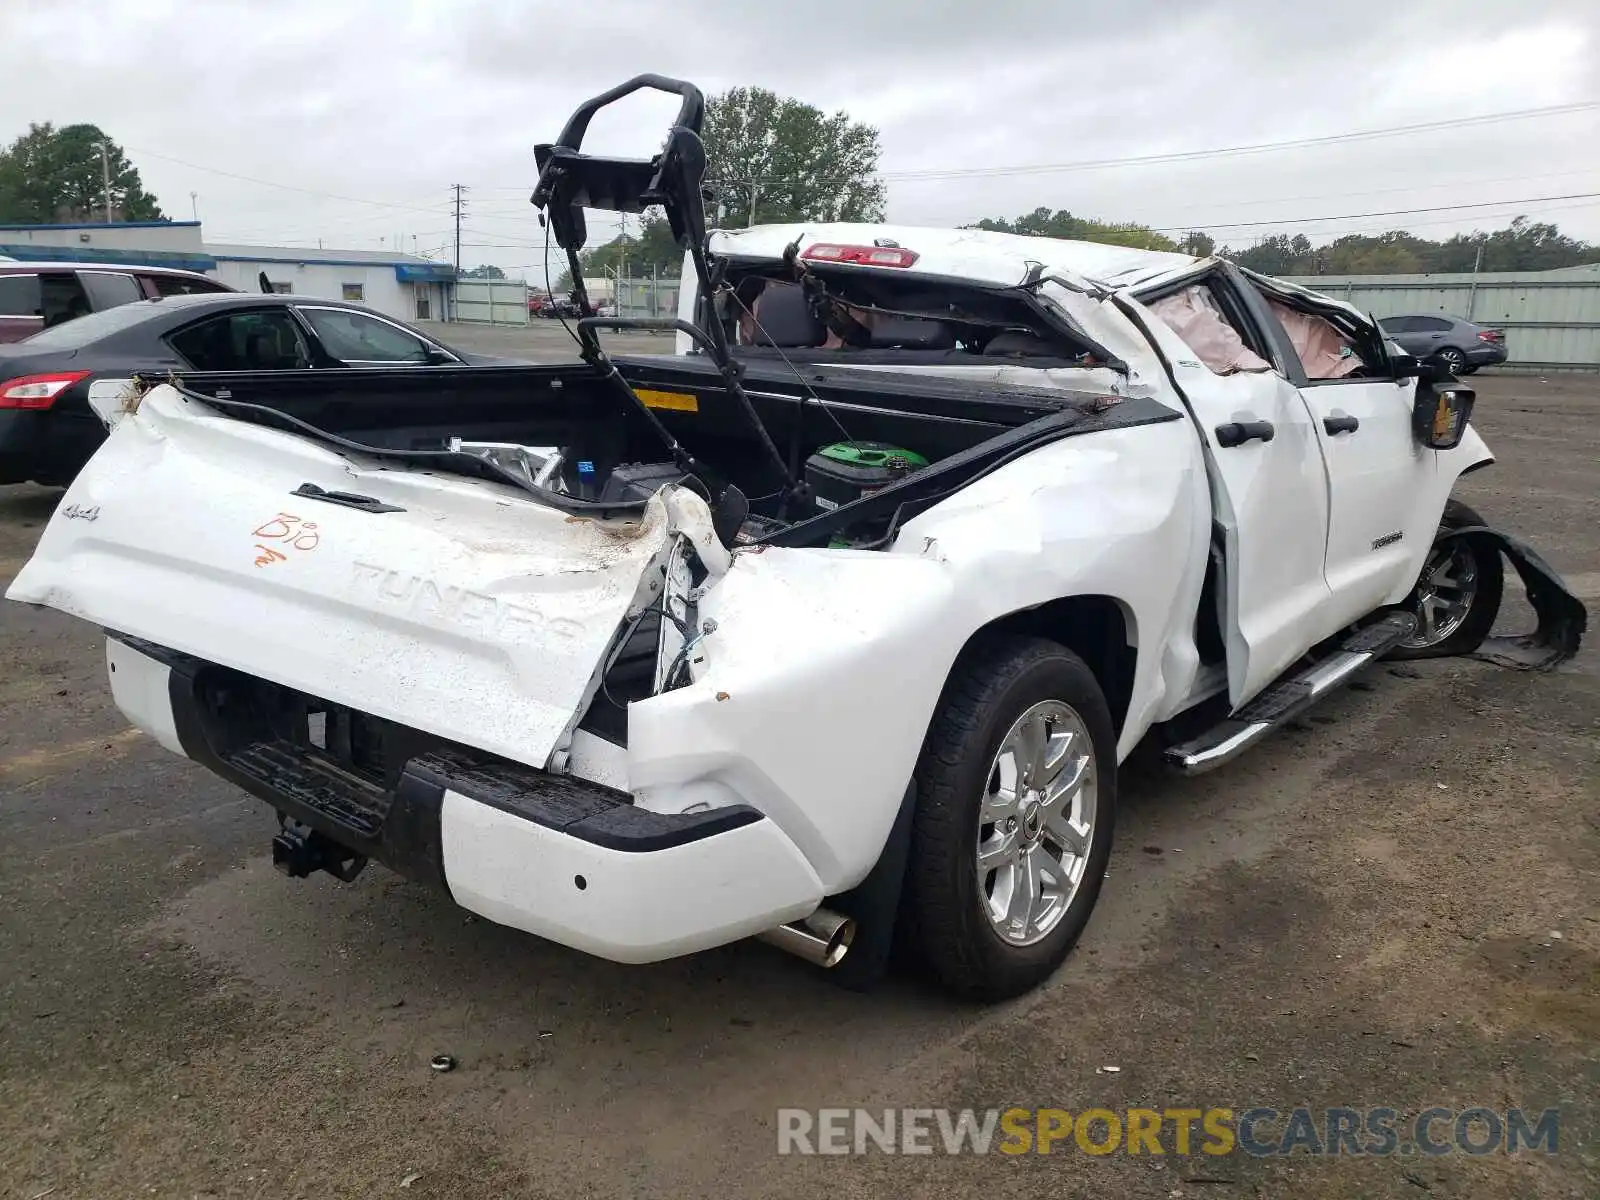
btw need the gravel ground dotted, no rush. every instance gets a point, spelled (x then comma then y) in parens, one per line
(1359, 913)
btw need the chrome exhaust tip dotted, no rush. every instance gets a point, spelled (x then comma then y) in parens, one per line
(822, 939)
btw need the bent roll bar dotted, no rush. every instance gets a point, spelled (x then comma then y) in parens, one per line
(570, 181)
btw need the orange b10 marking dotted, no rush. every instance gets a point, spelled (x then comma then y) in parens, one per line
(289, 532)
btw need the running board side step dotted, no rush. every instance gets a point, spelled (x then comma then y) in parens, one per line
(1290, 696)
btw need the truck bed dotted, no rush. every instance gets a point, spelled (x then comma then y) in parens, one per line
(409, 409)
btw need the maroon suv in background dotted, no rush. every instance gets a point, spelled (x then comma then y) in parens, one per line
(35, 295)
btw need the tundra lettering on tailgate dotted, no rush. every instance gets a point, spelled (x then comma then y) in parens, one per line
(489, 616)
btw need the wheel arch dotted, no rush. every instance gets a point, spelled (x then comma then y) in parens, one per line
(1099, 629)
(1471, 454)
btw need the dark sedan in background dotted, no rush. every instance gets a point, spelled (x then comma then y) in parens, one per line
(1458, 345)
(47, 429)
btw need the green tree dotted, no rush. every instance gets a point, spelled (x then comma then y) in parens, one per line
(789, 161)
(1523, 245)
(49, 175)
(1278, 254)
(1394, 253)
(1198, 243)
(1042, 222)
(634, 256)
(1526, 245)
(657, 249)
(486, 271)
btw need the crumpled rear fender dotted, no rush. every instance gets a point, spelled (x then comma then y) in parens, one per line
(824, 667)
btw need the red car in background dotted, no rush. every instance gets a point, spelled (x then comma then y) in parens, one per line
(36, 295)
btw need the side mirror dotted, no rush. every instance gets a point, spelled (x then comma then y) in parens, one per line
(1440, 415)
(1405, 366)
(1408, 366)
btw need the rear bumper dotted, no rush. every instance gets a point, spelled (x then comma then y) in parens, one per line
(1486, 354)
(556, 856)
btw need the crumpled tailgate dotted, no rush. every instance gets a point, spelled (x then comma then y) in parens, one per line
(472, 612)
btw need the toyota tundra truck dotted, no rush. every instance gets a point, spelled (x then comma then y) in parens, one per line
(830, 627)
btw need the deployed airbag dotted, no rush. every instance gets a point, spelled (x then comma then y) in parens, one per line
(1194, 316)
(1324, 352)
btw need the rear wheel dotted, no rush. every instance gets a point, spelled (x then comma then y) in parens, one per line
(1457, 596)
(1452, 360)
(1016, 796)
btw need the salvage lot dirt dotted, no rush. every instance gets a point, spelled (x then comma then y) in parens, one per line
(1361, 913)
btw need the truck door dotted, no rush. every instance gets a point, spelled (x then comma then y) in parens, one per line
(1384, 488)
(1269, 490)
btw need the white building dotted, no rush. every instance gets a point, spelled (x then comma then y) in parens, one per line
(399, 285)
(136, 243)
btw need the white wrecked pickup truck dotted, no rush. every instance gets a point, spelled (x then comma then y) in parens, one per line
(833, 625)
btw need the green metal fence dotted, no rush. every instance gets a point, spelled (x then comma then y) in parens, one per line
(1551, 318)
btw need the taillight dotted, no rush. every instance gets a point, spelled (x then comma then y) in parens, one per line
(865, 256)
(1491, 335)
(37, 391)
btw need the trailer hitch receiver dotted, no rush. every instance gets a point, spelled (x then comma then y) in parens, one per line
(298, 851)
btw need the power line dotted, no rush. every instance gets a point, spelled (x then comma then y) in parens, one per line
(1373, 229)
(998, 171)
(255, 216)
(1391, 212)
(288, 187)
(1252, 148)
(1257, 201)
(986, 171)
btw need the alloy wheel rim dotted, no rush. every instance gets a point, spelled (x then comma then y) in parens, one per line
(1444, 596)
(1036, 823)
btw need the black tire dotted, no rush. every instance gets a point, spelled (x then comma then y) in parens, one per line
(1484, 607)
(991, 687)
(1451, 359)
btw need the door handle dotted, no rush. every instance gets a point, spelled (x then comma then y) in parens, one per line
(1237, 433)
(348, 499)
(1341, 424)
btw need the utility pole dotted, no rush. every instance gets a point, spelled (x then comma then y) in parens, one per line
(1472, 293)
(105, 176)
(621, 272)
(460, 206)
(754, 189)
(194, 204)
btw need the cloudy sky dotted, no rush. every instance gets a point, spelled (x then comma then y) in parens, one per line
(347, 120)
